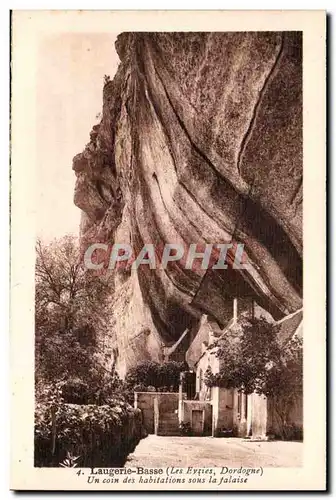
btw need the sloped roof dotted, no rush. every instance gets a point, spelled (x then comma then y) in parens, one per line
(289, 325)
(207, 327)
(194, 351)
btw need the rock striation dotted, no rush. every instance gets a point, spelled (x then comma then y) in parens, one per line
(200, 141)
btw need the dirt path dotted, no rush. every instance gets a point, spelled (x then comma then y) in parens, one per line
(161, 451)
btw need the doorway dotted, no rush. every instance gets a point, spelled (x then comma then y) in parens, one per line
(197, 421)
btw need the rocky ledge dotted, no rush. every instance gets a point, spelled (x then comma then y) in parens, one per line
(200, 141)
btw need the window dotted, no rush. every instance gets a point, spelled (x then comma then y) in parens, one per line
(240, 402)
(200, 379)
(246, 403)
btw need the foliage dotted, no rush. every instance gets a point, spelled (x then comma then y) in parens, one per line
(284, 383)
(102, 430)
(105, 388)
(69, 461)
(95, 435)
(139, 388)
(252, 359)
(77, 391)
(155, 375)
(185, 429)
(82, 416)
(225, 432)
(151, 388)
(71, 313)
(245, 354)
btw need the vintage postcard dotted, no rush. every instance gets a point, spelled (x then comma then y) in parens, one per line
(168, 250)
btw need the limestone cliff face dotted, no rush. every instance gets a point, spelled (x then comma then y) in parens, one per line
(200, 142)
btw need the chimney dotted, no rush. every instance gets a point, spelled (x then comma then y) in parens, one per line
(235, 310)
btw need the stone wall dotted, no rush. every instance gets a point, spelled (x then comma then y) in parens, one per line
(145, 402)
(186, 416)
(222, 401)
(159, 411)
(242, 413)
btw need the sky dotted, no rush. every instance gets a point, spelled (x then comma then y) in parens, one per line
(70, 76)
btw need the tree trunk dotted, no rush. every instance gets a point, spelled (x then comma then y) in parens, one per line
(53, 430)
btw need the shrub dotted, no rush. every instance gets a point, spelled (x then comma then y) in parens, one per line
(151, 373)
(140, 388)
(93, 390)
(97, 435)
(290, 432)
(76, 391)
(225, 432)
(185, 429)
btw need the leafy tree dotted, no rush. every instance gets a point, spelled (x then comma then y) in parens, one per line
(157, 375)
(143, 374)
(169, 374)
(253, 359)
(71, 313)
(98, 427)
(284, 382)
